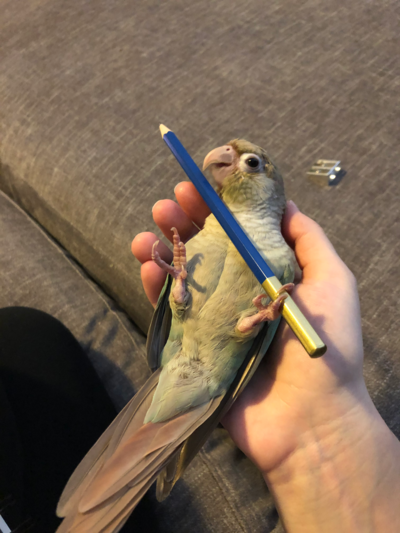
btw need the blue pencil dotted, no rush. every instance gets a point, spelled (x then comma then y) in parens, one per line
(263, 273)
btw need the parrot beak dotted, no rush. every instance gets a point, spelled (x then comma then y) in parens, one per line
(222, 161)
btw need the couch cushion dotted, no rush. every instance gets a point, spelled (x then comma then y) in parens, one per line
(84, 85)
(36, 272)
(221, 491)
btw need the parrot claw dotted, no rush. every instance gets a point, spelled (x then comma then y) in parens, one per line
(178, 271)
(286, 288)
(266, 313)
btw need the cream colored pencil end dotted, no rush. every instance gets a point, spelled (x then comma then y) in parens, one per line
(164, 130)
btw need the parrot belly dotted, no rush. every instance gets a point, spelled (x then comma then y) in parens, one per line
(204, 349)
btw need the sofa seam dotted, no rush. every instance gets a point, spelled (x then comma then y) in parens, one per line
(69, 223)
(74, 267)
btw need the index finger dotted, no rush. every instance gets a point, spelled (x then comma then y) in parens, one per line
(192, 203)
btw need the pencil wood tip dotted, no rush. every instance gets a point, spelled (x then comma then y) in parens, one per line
(164, 130)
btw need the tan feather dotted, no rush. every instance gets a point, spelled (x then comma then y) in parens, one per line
(100, 451)
(86, 470)
(132, 420)
(117, 471)
(111, 488)
(111, 517)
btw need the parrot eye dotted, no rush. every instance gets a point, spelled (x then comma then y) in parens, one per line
(250, 163)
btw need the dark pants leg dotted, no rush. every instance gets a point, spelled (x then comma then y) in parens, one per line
(53, 407)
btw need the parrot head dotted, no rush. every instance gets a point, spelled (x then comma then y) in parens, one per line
(244, 173)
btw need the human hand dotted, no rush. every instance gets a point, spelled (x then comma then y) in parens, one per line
(297, 412)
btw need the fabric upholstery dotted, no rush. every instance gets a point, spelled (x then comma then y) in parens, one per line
(83, 88)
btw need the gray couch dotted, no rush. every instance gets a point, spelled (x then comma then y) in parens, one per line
(83, 88)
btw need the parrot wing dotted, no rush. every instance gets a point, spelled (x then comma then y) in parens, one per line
(160, 326)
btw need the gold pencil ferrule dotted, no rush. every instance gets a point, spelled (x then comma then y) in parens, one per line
(296, 320)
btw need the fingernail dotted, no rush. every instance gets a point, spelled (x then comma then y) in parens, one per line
(293, 206)
(152, 209)
(176, 186)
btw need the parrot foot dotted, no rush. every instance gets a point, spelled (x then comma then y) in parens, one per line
(178, 270)
(266, 313)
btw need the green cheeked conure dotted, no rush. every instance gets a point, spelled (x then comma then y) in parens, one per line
(212, 325)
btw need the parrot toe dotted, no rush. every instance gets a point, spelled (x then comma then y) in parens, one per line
(266, 312)
(178, 270)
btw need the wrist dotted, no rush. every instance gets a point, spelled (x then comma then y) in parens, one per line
(344, 474)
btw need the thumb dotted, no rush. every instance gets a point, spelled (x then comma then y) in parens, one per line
(314, 251)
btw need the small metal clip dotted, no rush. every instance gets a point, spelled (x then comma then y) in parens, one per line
(326, 172)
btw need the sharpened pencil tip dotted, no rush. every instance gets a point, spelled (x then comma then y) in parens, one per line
(163, 130)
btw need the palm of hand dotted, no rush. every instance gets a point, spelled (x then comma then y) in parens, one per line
(292, 399)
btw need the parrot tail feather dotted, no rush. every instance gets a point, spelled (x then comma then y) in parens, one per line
(152, 442)
(124, 462)
(167, 476)
(104, 447)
